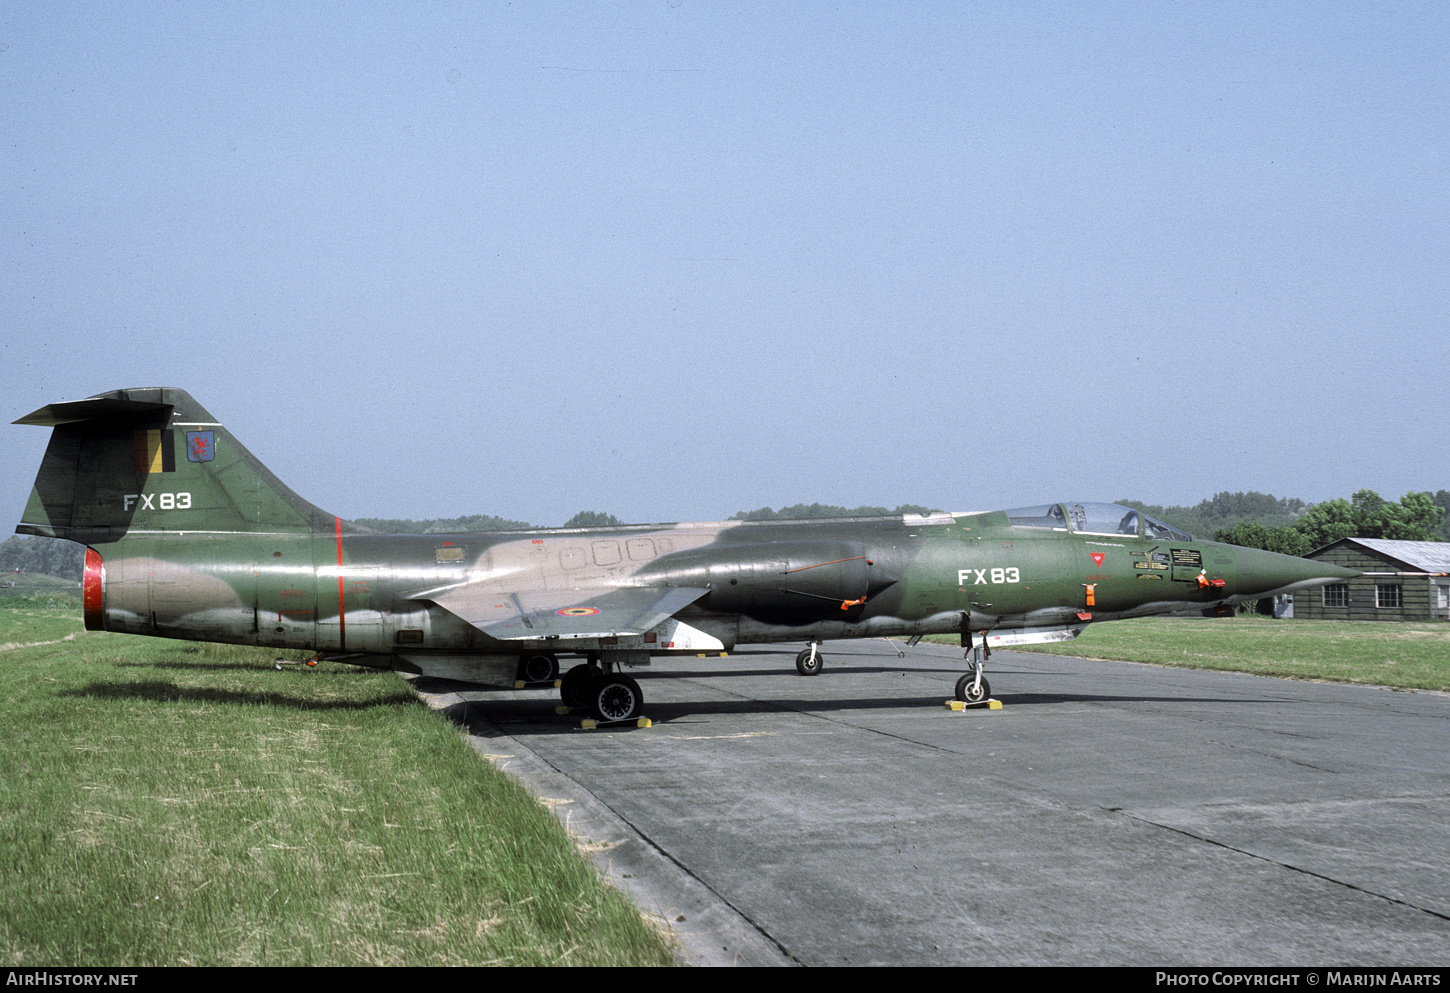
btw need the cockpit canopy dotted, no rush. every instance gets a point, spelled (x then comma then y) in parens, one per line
(1094, 518)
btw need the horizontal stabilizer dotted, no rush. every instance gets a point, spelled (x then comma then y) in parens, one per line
(531, 615)
(97, 409)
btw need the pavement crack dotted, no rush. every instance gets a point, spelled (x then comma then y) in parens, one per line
(1276, 756)
(682, 867)
(1283, 865)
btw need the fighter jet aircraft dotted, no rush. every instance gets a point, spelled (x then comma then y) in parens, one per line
(190, 536)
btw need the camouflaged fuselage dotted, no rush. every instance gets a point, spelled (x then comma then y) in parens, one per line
(191, 537)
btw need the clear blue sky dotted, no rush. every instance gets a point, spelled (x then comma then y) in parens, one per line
(674, 259)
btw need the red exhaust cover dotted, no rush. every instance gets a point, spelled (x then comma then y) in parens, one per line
(95, 577)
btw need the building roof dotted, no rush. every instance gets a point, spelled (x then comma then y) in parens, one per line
(1415, 556)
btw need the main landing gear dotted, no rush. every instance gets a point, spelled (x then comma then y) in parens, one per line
(608, 696)
(810, 661)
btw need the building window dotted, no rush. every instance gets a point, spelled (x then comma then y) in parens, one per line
(1336, 595)
(1387, 595)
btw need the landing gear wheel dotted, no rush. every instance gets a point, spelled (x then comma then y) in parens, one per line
(539, 667)
(574, 688)
(807, 666)
(615, 698)
(969, 692)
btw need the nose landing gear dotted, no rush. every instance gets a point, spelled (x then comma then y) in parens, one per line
(972, 689)
(809, 662)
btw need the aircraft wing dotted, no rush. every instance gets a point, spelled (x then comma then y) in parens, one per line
(527, 615)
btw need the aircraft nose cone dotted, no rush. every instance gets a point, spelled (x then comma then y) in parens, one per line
(1262, 574)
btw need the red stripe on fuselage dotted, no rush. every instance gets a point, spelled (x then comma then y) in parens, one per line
(341, 606)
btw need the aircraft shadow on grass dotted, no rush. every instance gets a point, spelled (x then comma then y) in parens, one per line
(162, 691)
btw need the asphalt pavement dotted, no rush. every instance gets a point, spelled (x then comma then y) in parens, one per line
(1110, 813)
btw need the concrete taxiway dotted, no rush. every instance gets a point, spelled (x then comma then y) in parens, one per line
(1110, 813)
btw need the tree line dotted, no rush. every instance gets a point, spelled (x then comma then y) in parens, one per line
(1291, 526)
(1256, 520)
(1416, 517)
(46, 556)
(600, 519)
(1225, 510)
(807, 511)
(442, 525)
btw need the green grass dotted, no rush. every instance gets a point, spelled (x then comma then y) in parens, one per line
(164, 803)
(1410, 655)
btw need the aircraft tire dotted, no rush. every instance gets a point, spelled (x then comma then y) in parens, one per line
(805, 667)
(538, 667)
(573, 689)
(615, 698)
(968, 693)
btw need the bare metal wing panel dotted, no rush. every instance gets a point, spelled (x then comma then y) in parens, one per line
(528, 615)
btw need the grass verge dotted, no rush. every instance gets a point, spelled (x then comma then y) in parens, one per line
(166, 803)
(1409, 655)
(34, 591)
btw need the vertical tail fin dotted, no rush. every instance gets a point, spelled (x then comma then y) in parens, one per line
(154, 461)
